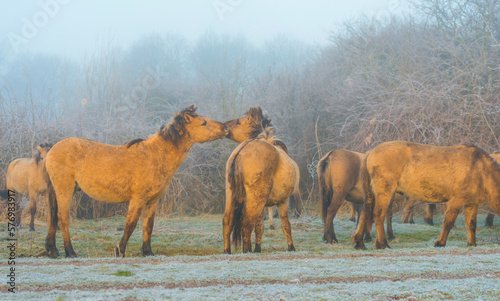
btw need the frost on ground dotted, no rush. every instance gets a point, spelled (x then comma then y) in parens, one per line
(456, 273)
(412, 270)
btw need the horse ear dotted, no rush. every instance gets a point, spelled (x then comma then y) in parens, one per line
(40, 149)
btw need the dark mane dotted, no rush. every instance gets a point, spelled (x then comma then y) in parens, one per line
(262, 121)
(174, 130)
(132, 142)
(479, 152)
(38, 155)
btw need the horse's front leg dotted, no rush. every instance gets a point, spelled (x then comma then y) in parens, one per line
(471, 222)
(270, 211)
(452, 211)
(285, 224)
(148, 220)
(32, 209)
(133, 214)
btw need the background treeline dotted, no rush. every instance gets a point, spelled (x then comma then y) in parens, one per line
(430, 75)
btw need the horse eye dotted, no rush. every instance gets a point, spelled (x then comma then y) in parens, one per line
(204, 123)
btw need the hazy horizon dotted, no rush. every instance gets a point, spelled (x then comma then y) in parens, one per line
(70, 27)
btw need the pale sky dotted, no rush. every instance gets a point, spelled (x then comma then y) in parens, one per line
(71, 27)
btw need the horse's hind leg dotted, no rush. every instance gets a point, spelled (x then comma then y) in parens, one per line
(63, 206)
(390, 232)
(148, 219)
(270, 211)
(329, 230)
(379, 214)
(407, 217)
(133, 214)
(470, 221)
(259, 229)
(285, 224)
(429, 214)
(450, 216)
(489, 220)
(50, 240)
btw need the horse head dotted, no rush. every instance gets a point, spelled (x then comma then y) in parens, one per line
(249, 126)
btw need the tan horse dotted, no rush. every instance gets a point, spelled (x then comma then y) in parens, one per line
(27, 177)
(249, 127)
(460, 176)
(137, 172)
(259, 174)
(430, 208)
(339, 177)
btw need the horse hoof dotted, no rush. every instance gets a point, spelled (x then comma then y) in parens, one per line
(71, 255)
(437, 244)
(257, 249)
(429, 221)
(360, 246)
(368, 239)
(291, 248)
(118, 253)
(381, 245)
(227, 251)
(392, 237)
(32, 229)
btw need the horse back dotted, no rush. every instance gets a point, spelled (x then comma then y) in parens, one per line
(431, 173)
(23, 173)
(342, 173)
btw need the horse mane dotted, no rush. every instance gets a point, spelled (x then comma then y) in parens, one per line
(261, 120)
(174, 130)
(268, 135)
(38, 155)
(479, 152)
(132, 142)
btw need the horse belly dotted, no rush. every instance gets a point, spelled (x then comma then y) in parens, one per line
(105, 191)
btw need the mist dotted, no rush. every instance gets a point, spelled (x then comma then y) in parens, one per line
(329, 75)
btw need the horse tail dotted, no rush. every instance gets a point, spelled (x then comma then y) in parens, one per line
(52, 200)
(325, 188)
(238, 201)
(369, 203)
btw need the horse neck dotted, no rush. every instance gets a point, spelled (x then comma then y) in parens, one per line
(170, 155)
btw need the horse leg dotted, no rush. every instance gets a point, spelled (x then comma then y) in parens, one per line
(408, 212)
(357, 237)
(133, 214)
(285, 224)
(450, 216)
(32, 209)
(429, 214)
(352, 218)
(227, 221)
(63, 203)
(379, 213)
(270, 211)
(329, 231)
(50, 240)
(390, 232)
(259, 229)
(489, 220)
(298, 202)
(470, 222)
(252, 214)
(148, 220)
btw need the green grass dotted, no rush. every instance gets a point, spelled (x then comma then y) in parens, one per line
(202, 235)
(123, 274)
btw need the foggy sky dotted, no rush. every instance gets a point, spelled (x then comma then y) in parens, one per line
(71, 27)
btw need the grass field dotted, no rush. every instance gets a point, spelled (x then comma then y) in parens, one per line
(190, 265)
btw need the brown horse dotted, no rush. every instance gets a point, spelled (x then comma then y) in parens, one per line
(249, 127)
(339, 177)
(137, 172)
(27, 176)
(430, 208)
(259, 174)
(460, 176)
